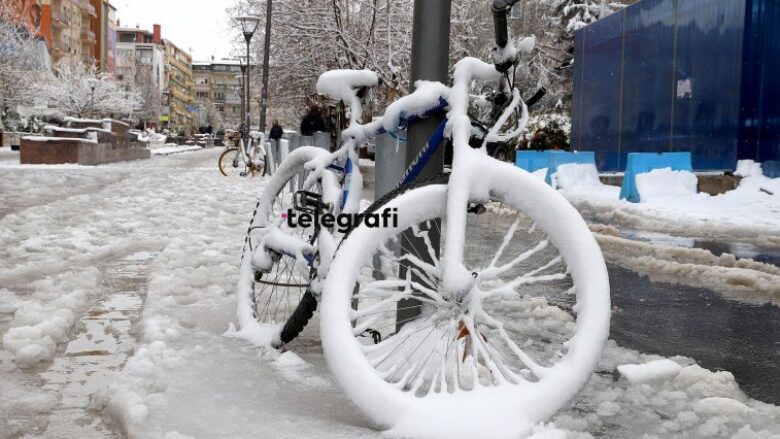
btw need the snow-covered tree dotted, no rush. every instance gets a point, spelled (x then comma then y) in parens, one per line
(19, 61)
(69, 89)
(147, 87)
(209, 115)
(309, 37)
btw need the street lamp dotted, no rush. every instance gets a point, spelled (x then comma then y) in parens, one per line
(93, 82)
(249, 24)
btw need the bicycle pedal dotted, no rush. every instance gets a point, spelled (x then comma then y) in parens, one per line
(242, 174)
(309, 202)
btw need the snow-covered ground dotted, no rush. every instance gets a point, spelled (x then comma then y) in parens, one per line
(182, 224)
(751, 212)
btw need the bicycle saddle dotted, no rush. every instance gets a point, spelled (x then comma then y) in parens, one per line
(343, 84)
(256, 135)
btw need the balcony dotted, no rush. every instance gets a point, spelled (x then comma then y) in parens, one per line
(88, 36)
(58, 20)
(59, 47)
(87, 8)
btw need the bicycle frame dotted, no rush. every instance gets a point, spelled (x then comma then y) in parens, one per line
(432, 97)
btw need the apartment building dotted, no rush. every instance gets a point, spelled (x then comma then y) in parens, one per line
(78, 29)
(219, 83)
(178, 89)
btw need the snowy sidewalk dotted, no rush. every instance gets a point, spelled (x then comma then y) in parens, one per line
(58, 227)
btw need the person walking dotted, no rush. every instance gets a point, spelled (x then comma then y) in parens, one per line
(276, 131)
(276, 141)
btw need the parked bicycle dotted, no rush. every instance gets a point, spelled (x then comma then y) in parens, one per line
(245, 160)
(437, 318)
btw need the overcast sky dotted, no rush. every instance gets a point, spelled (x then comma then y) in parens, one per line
(197, 25)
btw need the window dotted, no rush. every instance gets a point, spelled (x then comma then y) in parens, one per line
(203, 95)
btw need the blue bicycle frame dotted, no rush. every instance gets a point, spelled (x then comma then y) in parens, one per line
(419, 162)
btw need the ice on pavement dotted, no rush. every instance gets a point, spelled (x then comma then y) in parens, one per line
(186, 380)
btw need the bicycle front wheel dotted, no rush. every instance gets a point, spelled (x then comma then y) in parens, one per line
(230, 163)
(516, 348)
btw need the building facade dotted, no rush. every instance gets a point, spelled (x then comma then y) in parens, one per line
(219, 83)
(178, 89)
(140, 65)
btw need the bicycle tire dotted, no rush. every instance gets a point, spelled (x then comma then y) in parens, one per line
(222, 157)
(248, 298)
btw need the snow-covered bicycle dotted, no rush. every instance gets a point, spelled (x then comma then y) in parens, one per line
(245, 159)
(440, 323)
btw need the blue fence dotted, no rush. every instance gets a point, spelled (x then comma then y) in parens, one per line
(694, 76)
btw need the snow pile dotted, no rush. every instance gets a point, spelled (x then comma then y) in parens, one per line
(654, 370)
(576, 175)
(43, 321)
(670, 205)
(754, 180)
(582, 178)
(666, 401)
(665, 183)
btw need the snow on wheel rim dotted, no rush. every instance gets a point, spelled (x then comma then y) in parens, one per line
(506, 409)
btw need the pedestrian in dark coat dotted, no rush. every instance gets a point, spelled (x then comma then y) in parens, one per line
(276, 131)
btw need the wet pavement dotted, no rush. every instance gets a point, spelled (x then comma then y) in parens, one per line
(720, 334)
(95, 354)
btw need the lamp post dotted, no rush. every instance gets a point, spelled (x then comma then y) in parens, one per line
(93, 82)
(266, 57)
(249, 24)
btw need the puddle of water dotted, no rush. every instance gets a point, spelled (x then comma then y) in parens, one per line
(98, 352)
(720, 334)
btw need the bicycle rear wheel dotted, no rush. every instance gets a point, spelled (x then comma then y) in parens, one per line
(275, 303)
(494, 362)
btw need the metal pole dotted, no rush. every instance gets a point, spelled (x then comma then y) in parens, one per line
(247, 100)
(266, 58)
(430, 61)
(241, 86)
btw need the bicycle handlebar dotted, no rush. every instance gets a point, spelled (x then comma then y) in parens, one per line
(500, 11)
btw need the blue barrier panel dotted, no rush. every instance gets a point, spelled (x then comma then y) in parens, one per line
(640, 162)
(558, 158)
(532, 160)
